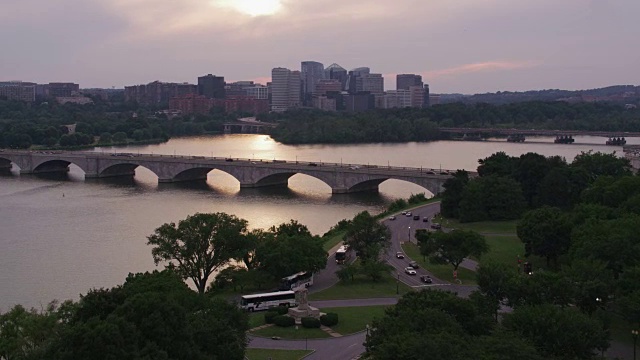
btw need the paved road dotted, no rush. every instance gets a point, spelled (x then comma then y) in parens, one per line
(341, 348)
(403, 230)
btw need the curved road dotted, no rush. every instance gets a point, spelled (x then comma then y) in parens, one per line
(350, 346)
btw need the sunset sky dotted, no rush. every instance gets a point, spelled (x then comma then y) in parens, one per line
(465, 46)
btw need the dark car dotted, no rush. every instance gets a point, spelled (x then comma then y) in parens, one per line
(228, 159)
(426, 279)
(414, 265)
(416, 217)
(313, 164)
(425, 219)
(436, 226)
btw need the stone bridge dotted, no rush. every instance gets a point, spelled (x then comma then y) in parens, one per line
(342, 178)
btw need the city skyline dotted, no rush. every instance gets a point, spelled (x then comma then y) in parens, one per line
(469, 46)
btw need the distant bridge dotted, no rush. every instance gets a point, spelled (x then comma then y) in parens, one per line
(248, 126)
(251, 173)
(534, 132)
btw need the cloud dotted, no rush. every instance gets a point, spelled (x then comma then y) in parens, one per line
(479, 67)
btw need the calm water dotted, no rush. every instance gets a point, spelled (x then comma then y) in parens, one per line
(60, 236)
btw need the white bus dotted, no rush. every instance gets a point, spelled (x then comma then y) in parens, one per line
(258, 302)
(297, 281)
(341, 254)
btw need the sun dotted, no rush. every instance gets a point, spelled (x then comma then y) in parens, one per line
(254, 7)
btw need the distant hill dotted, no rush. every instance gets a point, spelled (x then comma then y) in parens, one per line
(624, 94)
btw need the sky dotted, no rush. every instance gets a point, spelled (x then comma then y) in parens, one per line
(461, 46)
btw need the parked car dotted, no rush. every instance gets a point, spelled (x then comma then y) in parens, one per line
(410, 271)
(404, 213)
(400, 255)
(392, 217)
(414, 265)
(425, 219)
(416, 217)
(408, 214)
(426, 279)
(436, 226)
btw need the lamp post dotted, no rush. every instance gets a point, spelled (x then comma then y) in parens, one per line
(635, 339)
(367, 328)
(409, 233)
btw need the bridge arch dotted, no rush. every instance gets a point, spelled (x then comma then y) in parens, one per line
(193, 174)
(433, 185)
(127, 169)
(55, 165)
(6, 164)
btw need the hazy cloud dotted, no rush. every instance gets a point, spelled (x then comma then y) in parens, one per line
(461, 46)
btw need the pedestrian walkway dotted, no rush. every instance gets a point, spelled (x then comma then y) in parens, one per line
(261, 327)
(329, 331)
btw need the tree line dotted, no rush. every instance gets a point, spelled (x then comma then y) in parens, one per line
(578, 222)
(413, 124)
(23, 125)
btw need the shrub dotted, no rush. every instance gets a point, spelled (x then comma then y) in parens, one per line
(269, 316)
(284, 321)
(310, 322)
(397, 205)
(417, 198)
(282, 310)
(329, 319)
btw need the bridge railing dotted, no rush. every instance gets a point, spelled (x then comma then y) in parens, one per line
(371, 168)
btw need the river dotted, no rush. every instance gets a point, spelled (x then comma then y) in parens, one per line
(61, 236)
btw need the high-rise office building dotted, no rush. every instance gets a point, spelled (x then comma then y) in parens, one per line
(327, 85)
(211, 86)
(372, 83)
(405, 81)
(353, 78)
(18, 90)
(312, 72)
(285, 89)
(336, 72)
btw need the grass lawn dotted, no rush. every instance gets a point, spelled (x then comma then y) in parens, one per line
(362, 288)
(291, 332)
(485, 227)
(256, 319)
(275, 354)
(333, 241)
(354, 319)
(443, 272)
(503, 249)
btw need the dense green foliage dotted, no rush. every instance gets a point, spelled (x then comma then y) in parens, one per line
(23, 124)
(367, 237)
(284, 321)
(413, 124)
(438, 325)
(451, 247)
(329, 319)
(152, 316)
(310, 322)
(507, 186)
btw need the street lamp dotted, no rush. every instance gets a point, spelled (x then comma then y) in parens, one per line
(409, 233)
(635, 339)
(367, 328)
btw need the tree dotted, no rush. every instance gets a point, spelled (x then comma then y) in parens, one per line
(24, 334)
(542, 287)
(119, 137)
(545, 232)
(348, 271)
(291, 241)
(562, 187)
(374, 269)
(199, 245)
(367, 237)
(529, 171)
(601, 164)
(453, 247)
(106, 138)
(613, 242)
(558, 333)
(498, 164)
(592, 284)
(491, 198)
(452, 195)
(496, 281)
(430, 322)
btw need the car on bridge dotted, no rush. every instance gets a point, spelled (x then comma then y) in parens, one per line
(313, 164)
(410, 271)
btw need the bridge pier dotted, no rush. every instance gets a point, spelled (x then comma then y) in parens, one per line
(128, 173)
(263, 184)
(5, 164)
(371, 189)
